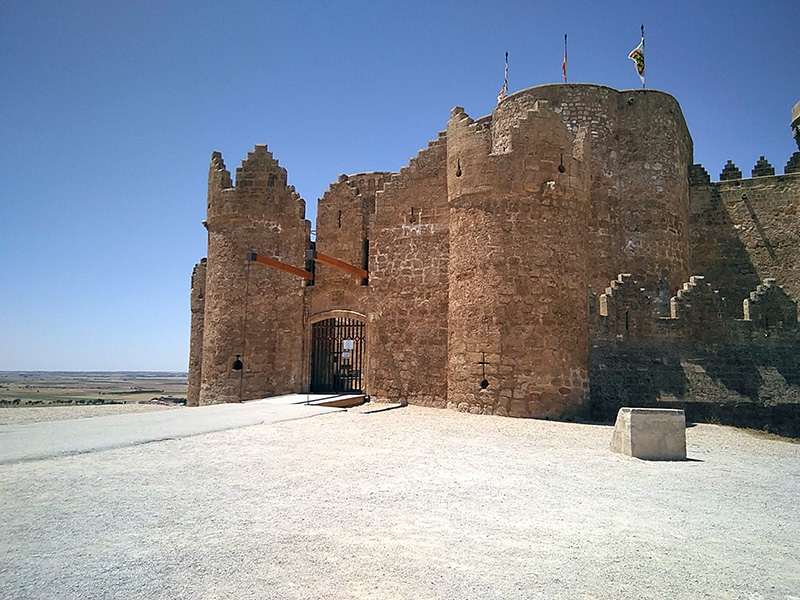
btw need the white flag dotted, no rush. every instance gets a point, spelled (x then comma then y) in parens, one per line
(637, 56)
(504, 91)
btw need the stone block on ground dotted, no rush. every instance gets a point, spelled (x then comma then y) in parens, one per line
(650, 433)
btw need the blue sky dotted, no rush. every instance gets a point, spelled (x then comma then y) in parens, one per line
(109, 112)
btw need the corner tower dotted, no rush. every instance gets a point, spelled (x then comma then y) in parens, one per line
(255, 312)
(518, 310)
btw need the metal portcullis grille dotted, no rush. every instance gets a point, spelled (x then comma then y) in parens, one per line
(337, 355)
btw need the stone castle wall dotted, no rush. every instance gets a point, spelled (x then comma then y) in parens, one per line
(344, 214)
(746, 230)
(409, 256)
(343, 218)
(701, 358)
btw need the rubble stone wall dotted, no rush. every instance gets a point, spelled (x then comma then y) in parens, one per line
(719, 368)
(745, 384)
(409, 255)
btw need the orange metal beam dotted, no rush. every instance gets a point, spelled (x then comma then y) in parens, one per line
(276, 264)
(329, 261)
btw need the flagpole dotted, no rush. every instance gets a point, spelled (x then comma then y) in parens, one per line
(505, 83)
(504, 90)
(565, 58)
(644, 73)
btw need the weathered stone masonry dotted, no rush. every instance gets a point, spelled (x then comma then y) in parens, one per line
(496, 255)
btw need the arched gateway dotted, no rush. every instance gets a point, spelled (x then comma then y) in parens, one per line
(338, 345)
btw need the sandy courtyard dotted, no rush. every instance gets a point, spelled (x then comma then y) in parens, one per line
(407, 503)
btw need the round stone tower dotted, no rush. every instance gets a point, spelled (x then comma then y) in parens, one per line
(518, 312)
(641, 150)
(251, 310)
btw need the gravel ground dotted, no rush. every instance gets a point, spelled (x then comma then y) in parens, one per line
(407, 503)
(20, 415)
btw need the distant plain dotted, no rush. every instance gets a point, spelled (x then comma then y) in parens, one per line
(48, 388)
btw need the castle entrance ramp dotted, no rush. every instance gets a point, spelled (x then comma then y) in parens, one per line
(338, 345)
(329, 400)
(51, 439)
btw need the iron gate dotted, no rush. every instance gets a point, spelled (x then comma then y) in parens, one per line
(337, 355)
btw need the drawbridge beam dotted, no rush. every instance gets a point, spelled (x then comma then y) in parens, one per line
(281, 266)
(329, 261)
(319, 257)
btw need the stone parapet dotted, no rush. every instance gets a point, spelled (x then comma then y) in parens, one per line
(762, 168)
(730, 171)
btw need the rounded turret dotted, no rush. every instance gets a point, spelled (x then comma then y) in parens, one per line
(518, 311)
(641, 152)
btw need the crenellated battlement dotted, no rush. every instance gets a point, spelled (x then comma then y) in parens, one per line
(342, 185)
(697, 312)
(426, 158)
(260, 190)
(698, 175)
(369, 182)
(625, 309)
(260, 170)
(770, 307)
(364, 186)
(219, 177)
(699, 307)
(539, 155)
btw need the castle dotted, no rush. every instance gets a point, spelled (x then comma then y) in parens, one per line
(558, 258)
